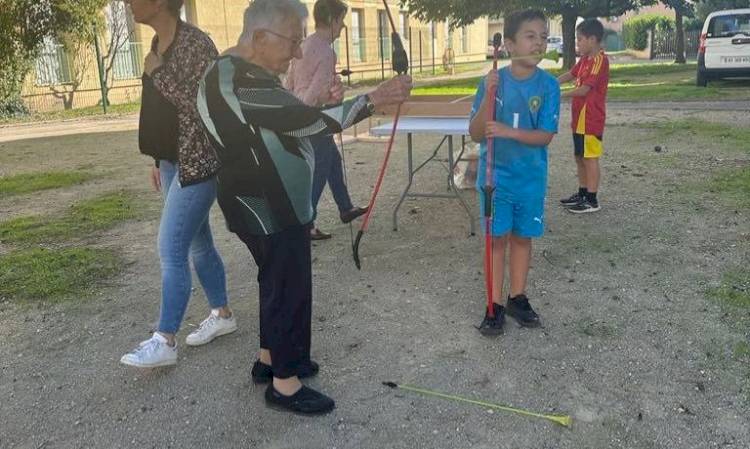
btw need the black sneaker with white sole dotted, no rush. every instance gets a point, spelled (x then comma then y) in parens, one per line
(585, 207)
(519, 308)
(492, 326)
(572, 200)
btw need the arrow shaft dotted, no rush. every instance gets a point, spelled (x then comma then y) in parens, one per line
(559, 419)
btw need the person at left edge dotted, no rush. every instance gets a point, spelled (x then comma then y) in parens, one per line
(261, 133)
(170, 131)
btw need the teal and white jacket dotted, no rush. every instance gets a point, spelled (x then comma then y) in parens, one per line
(260, 133)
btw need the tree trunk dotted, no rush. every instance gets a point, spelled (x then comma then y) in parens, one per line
(569, 39)
(680, 41)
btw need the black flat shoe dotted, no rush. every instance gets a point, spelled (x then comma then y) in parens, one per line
(305, 401)
(317, 234)
(349, 216)
(262, 373)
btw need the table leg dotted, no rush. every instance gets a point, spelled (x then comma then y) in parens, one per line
(458, 159)
(452, 185)
(410, 164)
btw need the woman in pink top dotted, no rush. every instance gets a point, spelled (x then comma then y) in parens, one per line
(311, 78)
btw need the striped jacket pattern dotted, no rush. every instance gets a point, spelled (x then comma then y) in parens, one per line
(260, 133)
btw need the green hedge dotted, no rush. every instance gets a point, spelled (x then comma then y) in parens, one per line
(692, 24)
(635, 30)
(12, 72)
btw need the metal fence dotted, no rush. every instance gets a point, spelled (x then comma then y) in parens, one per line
(664, 44)
(367, 52)
(70, 78)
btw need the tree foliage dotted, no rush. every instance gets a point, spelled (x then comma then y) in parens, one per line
(24, 25)
(705, 7)
(635, 30)
(464, 12)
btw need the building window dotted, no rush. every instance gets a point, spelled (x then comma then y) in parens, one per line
(384, 34)
(403, 23)
(337, 49)
(358, 35)
(187, 12)
(127, 63)
(433, 31)
(52, 65)
(128, 55)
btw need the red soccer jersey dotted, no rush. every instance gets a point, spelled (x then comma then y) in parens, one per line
(590, 111)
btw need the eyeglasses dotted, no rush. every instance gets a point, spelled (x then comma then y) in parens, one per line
(296, 43)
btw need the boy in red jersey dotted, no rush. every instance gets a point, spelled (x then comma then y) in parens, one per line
(591, 74)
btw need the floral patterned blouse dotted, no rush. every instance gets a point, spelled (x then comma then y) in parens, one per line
(177, 79)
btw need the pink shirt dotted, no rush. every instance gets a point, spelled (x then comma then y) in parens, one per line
(311, 77)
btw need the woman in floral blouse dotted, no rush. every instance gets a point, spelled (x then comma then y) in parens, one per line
(185, 172)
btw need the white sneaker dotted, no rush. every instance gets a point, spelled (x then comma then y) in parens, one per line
(212, 327)
(152, 353)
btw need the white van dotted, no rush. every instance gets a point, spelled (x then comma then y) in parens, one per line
(724, 50)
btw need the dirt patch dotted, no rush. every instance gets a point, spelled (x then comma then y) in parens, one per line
(630, 346)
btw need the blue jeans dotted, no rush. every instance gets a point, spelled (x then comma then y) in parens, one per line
(328, 169)
(184, 229)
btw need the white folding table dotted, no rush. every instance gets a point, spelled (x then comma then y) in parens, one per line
(448, 127)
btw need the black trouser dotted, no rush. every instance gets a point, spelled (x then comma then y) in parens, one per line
(285, 283)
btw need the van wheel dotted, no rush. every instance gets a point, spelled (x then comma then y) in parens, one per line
(701, 80)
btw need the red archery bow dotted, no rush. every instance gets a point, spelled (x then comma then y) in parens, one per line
(489, 189)
(401, 67)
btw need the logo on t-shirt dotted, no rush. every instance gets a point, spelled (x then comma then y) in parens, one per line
(535, 103)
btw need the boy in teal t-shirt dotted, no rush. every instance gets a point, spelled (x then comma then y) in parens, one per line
(527, 108)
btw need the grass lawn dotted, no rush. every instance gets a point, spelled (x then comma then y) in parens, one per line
(715, 132)
(734, 290)
(732, 184)
(33, 182)
(632, 82)
(68, 114)
(53, 275)
(79, 221)
(418, 75)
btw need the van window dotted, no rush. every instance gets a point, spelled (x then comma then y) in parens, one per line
(729, 25)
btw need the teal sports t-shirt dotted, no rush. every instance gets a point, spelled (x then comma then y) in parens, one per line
(520, 170)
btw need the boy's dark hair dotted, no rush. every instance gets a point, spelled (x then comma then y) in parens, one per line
(326, 11)
(591, 27)
(514, 20)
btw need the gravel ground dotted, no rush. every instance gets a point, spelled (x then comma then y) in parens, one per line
(631, 346)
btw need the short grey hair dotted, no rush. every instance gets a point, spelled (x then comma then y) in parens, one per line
(268, 14)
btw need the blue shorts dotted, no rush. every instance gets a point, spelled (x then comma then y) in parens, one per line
(522, 218)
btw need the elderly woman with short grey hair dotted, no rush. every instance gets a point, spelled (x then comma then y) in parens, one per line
(261, 135)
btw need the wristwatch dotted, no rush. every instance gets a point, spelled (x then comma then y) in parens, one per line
(369, 105)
